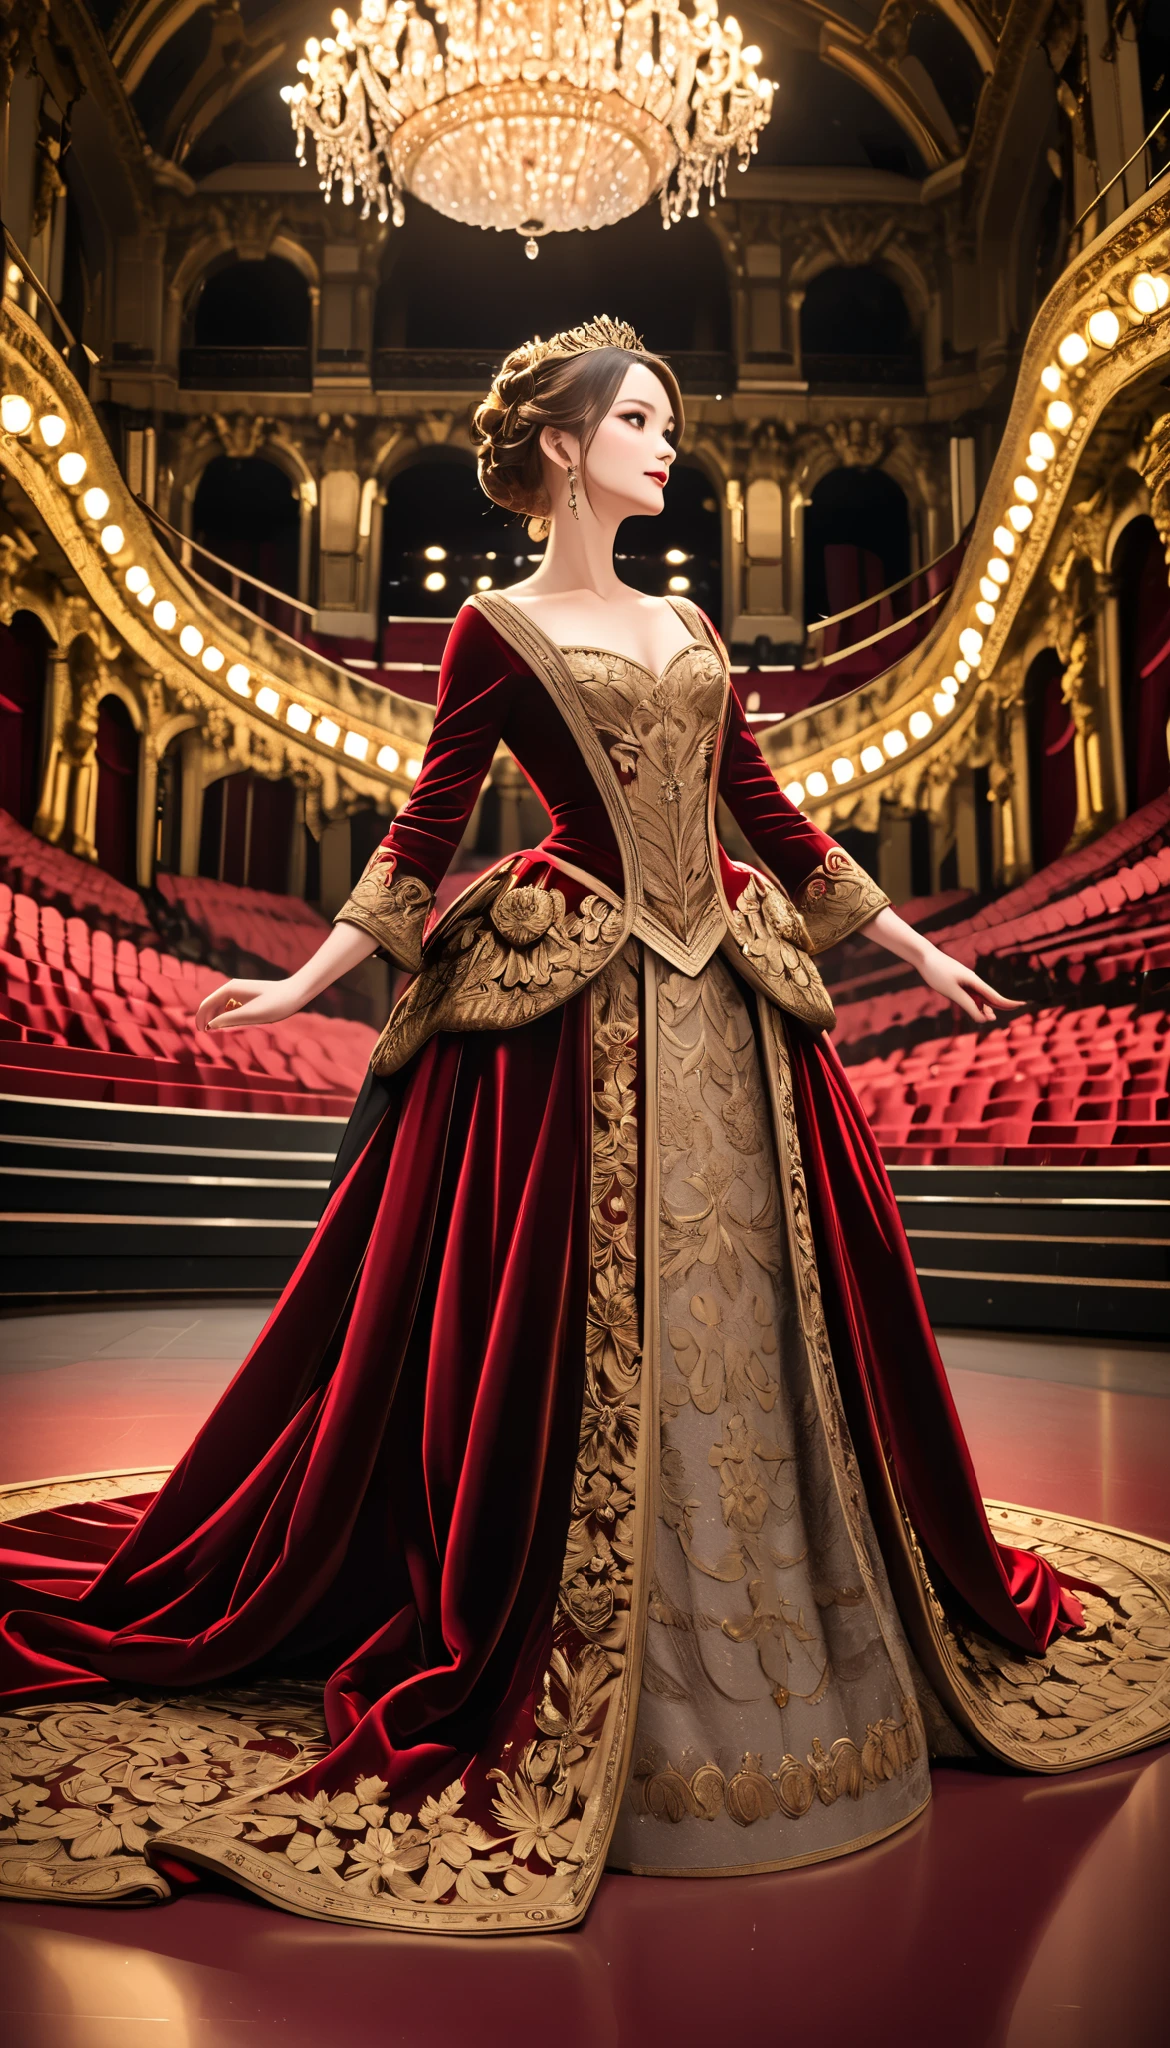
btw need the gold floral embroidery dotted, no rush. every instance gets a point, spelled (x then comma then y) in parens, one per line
(846, 1770)
(393, 908)
(660, 734)
(510, 955)
(768, 939)
(836, 899)
(85, 1787)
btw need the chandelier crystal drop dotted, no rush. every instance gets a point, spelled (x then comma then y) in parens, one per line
(532, 116)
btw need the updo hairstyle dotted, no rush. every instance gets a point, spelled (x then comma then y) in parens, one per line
(570, 383)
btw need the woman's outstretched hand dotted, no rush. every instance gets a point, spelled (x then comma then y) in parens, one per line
(249, 1002)
(963, 986)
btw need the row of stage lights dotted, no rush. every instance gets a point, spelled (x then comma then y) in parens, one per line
(16, 417)
(1149, 295)
(435, 580)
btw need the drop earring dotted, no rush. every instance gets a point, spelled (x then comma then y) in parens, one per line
(573, 492)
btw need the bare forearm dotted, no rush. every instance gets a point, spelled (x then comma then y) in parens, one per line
(891, 931)
(346, 947)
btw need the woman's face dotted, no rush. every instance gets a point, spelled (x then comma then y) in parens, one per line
(630, 454)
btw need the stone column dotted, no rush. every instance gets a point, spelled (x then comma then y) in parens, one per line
(147, 809)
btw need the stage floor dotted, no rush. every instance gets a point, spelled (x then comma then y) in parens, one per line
(1016, 1913)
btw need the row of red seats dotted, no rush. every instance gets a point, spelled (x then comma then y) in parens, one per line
(1074, 1085)
(282, 930)
(65, 984)
(37, 869)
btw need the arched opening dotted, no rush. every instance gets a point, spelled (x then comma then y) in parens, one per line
(856, 330)
(681, 549)
(116, 824)
(1052, 772)
(1139, 566)
(442, 539)
(250, 328)
(247, 512)
(24, 648)
(856, 540)
(447, 286)
(246, 833)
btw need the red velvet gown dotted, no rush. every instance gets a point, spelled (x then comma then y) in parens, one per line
(598, 1457)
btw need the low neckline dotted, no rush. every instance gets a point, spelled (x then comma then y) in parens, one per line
(576, 647)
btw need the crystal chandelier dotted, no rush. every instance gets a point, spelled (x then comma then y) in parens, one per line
(538, 116)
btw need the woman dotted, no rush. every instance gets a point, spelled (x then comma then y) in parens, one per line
(598, 1452)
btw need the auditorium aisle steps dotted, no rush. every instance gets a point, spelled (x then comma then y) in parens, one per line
(122, 1199)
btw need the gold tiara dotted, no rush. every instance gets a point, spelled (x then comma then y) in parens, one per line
(600, 332)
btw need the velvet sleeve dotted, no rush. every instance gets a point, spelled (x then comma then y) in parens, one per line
(477, 681)
(832, 894)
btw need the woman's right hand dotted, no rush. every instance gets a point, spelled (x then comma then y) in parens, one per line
(249, 1002)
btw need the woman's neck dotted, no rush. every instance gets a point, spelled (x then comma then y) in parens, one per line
(578, 557)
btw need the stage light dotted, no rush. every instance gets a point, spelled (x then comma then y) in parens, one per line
(297, 716)
(1104, 327)
(1004, 540)
(435, 554)
(53, 429)
(136, 579)
(1024, 488)
(895, 743)
(483, 582)
(1073, 350)
(327, 731)
(971, 644)
(1042, 444)
(268, 700)
(817, 784)
(413, 768)
(145, 594)
(356, 745)
(989, 590)
(15, 413)
(213, 660)
(872, 759)
(113, 539)
(961, 671)
(238, 679)
(1148, 294)
(678, 583)
(435, 581)
(1059, 415)
(1021, 517)
(998, 569)
(677, 555)
(943, 704)
(191, 640)
(387, 758)
(950, 683)
(794, 791)
(843, 770)
(985, 612)
(71, 467)
(1051, 378)
(96, 503)
(165, 615)
(921, 723)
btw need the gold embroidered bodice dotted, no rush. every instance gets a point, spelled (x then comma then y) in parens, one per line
(660, 733)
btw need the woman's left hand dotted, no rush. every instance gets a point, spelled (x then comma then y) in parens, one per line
(963, 986)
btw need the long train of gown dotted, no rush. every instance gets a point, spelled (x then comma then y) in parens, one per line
(531, 1534)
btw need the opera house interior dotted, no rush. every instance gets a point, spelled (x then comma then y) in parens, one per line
(909, 261)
